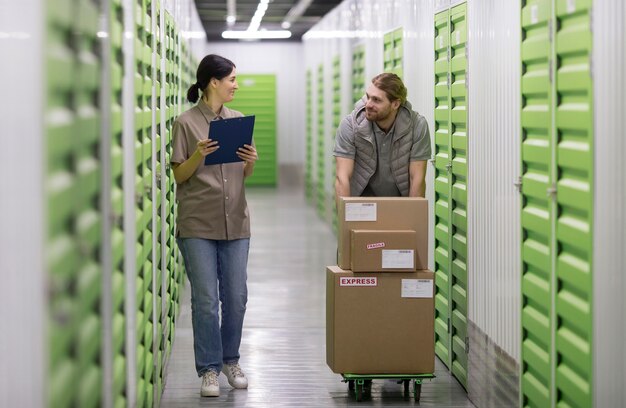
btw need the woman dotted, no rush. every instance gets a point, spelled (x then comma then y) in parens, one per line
(213, 226)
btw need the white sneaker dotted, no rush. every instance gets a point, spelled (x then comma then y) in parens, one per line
(210, 385)
(236, 377)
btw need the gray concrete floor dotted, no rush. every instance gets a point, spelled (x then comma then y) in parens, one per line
(283, 345)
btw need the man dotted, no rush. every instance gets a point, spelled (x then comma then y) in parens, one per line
(381, 148)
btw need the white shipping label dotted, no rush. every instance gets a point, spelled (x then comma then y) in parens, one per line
(352, 281)
(398, 258)
(360, 211)
(417, 288)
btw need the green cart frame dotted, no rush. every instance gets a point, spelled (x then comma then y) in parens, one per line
(356, 382)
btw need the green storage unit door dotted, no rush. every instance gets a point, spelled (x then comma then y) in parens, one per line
(158, 317)
(143, 186)
(358, 73)
(574, 204)
(117, 207)
(336, 120)
(557, 196)
(442, 188)
(73, 220)
(451, 190)
(88, 224)
(458, 202)
(257, 96)
(308, 169)
(536, 216)
(321, 152)
(393, 52)
(173, 89)
(168, 247)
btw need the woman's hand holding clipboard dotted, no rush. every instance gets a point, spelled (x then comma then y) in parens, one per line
(233, 139)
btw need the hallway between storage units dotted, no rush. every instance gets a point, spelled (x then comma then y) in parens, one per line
(283, 345)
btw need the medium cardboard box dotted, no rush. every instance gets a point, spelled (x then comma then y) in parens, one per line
(380, 323)
(383, 251)
(382, 213)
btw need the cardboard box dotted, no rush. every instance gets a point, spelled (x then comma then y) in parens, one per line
(380, 323)
(382, 213)
(383, 251)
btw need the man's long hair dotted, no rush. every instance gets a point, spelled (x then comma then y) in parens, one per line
(392, 85)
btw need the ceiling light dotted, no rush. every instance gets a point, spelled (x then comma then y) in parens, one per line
(285, 24)
(256, 35)
(255, 23)
(297, 11)
(231, 11)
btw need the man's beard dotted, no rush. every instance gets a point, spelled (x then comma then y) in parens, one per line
(376, 116)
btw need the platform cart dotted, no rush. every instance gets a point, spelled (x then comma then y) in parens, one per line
(356, 382)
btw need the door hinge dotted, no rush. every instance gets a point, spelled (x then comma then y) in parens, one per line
(550, 34)
(449, 328)
(115, 219)
(449, 166)
(448, 80)
(518, 184)
(551, 191)
(550, 74)
(467, 345)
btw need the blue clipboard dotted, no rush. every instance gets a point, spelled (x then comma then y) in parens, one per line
(231, 134)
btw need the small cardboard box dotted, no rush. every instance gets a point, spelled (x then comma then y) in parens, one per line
(382, 213)
(380, 323)
(383, 251)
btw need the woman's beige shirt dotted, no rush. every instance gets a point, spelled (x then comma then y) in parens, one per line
(212, 202)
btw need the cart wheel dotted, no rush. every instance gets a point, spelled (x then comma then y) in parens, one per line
(359, 393)
(406, 386)
(417, 390)
(351, 385)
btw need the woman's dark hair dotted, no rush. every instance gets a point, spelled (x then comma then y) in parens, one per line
(211, 66)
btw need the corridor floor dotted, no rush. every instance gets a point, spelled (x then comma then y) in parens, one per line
(283, 345)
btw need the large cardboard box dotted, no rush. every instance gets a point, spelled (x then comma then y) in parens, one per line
(383, 251)
(380, 323)
(382, 213)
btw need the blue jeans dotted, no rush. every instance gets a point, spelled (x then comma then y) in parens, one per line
(217, 273)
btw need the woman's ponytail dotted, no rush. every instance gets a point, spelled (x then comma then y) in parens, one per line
(193, 93)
